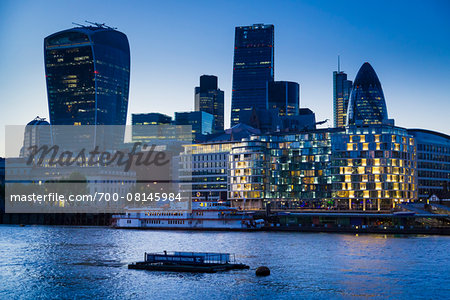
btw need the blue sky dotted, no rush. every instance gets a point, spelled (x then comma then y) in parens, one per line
(174, 42)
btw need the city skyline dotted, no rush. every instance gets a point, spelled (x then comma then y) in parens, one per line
(311, 67)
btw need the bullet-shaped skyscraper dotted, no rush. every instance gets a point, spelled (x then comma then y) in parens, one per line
(253, 68)
(367, 104)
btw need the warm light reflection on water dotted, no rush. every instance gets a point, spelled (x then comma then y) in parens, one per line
(69, 262)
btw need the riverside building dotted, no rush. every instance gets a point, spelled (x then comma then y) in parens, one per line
(433, 163)
(356, 168)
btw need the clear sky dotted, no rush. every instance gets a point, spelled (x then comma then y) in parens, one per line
(174, 42)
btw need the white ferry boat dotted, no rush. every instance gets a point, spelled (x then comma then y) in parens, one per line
(204, 215)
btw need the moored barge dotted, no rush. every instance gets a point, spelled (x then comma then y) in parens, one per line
(198, 262)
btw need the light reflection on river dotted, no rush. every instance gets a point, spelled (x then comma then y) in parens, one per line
(40, 262)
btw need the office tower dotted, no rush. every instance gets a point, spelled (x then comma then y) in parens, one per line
(37, 134)
(433, 163)
(367, 104)
(373, 167)
(209, 98)
(202, 122)
(253, 68)
(88, 72)
(341, 94)
(284, 96)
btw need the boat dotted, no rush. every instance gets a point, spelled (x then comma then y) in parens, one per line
(208, 215)
(199, 262)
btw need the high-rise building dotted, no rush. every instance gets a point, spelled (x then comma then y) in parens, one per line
(367, 104)
(341, 94)
(253, 68)
(284, 96)
(209, 98)
(88, 73)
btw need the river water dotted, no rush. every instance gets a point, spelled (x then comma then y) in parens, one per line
(53, 262)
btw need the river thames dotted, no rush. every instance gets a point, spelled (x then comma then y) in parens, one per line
(50, 262)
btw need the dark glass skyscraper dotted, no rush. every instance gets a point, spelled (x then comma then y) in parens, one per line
(209, 98)
(341, 94)
(253, 68)
(367, 104)
(284, 96)
(88, 72)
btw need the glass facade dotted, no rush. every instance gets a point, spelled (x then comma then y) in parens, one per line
(87, 71)
(373, 168)
(356, 168)
(253, 68)
(367, 104)
(202, 123)
(248, 174)
(209, 98)
(207, 165)
(433, 163)
(299, 170)
(341, 94)
(284, 96)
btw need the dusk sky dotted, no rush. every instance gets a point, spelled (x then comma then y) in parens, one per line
(174, 42)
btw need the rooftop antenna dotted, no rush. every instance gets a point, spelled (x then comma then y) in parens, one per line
(339, 64)
(78, 24)
(100, 25)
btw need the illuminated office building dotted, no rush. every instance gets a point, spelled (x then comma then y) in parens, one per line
(341, 94)
(206, 168)
(87, 70)
(356, 168)
(248, 174)
(209, 98)
(433, 163)
(253, 68)
(373, 167)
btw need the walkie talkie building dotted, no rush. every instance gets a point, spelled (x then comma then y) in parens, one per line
(87, 69)
(88, 74)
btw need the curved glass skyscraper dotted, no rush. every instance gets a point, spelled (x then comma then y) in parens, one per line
(88, 72)
(367, 104)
